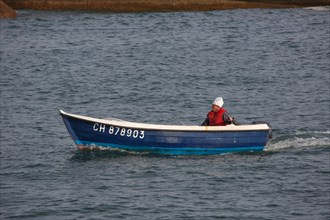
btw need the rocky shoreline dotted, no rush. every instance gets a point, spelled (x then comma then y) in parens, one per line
(153, 5)
(6, 11)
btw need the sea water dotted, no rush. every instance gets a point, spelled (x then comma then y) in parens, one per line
(268, 65)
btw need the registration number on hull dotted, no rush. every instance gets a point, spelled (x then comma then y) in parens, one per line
(118, 131)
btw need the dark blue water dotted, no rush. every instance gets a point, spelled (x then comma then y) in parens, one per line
(269, 65)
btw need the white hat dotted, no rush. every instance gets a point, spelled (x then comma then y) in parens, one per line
(218, 101)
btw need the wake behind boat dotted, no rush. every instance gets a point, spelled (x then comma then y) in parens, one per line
(165, 139)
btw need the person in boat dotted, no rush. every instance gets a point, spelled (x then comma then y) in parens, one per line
(218, 116)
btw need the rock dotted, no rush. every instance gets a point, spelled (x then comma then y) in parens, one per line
(6, 11)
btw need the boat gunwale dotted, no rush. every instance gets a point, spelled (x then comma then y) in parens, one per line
(162, 127)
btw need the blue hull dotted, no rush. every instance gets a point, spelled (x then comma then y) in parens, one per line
(86, 133)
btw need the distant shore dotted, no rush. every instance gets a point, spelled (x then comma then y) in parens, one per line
(155, 5)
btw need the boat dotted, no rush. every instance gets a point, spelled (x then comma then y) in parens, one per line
(116, 134)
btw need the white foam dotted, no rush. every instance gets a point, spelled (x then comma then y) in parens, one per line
(94, 147)
(311, 132)
(298, 142)
(319, 8)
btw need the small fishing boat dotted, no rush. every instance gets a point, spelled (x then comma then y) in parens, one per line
(89, 132)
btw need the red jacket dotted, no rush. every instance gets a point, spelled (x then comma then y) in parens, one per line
(216, 118)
